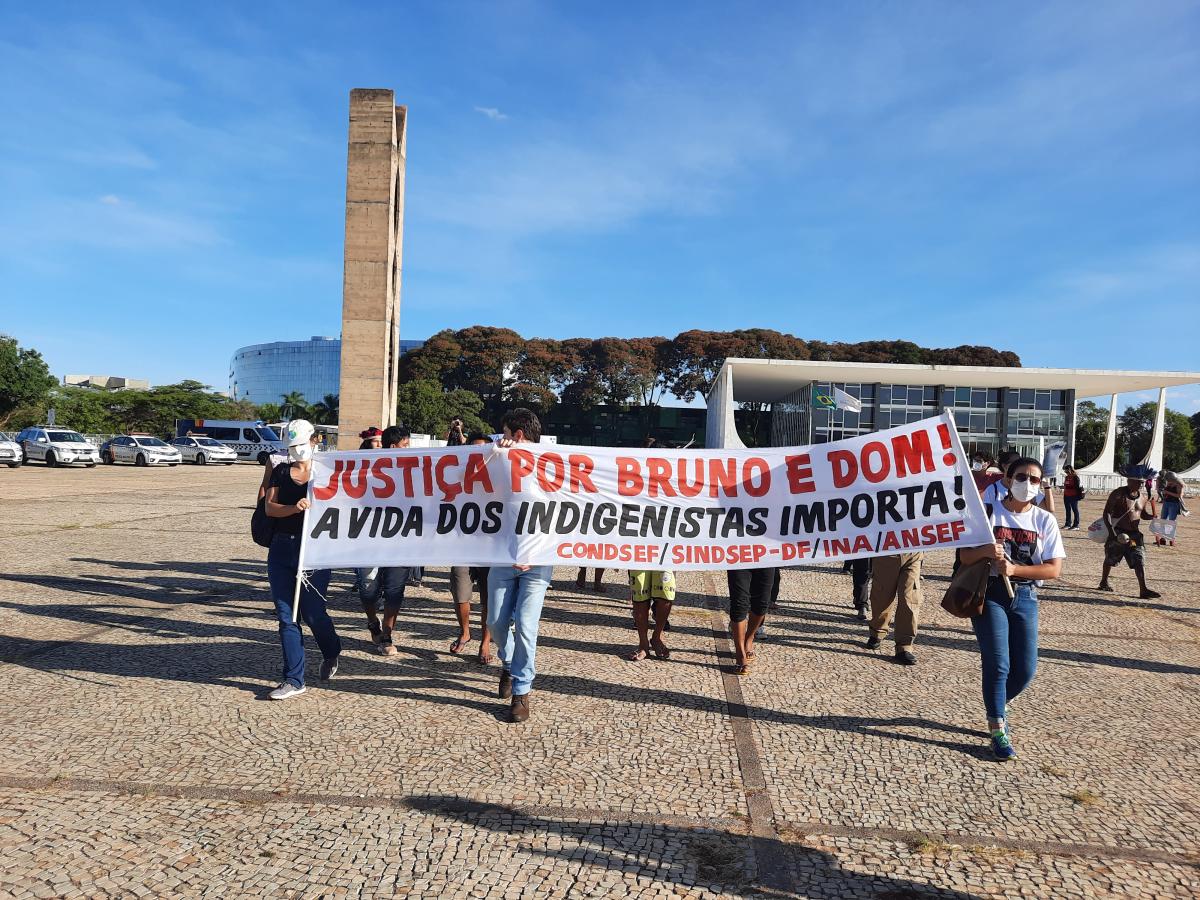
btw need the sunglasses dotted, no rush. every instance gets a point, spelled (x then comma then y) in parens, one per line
(1025, 476)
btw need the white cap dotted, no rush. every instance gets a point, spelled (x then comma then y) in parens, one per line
(299, 431)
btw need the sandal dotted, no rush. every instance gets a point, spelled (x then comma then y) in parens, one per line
(485, 656)
(637, 655)
(660, 649)
(459, 645)
(742, 670)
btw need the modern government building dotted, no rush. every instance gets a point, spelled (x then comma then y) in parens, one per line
(264, 373)
(993, 407)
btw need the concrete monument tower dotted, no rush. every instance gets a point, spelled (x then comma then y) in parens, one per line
(371, 279)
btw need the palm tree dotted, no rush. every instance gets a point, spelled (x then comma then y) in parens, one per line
(325, 410)
(293, 406)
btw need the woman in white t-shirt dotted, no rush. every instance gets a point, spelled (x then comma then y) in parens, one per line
(1028, 550)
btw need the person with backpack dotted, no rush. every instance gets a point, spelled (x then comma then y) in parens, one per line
(285, 501)
(1027, 551)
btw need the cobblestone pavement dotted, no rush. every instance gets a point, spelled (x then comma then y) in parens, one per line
(140, 758)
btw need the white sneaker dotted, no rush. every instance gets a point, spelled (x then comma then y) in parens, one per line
(286, 691)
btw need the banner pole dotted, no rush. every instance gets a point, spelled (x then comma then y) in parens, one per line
(303, 542)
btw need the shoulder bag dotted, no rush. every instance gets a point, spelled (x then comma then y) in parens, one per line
(964, 598)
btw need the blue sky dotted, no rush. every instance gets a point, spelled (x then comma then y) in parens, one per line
(173, 175)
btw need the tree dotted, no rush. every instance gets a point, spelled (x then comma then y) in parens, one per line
(293, 406)
(25, 379)
(1179, 445)
(1091, 425)
(325, 410)
(423, 407)
(270, 412)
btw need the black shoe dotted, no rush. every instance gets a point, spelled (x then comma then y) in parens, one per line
(328, 668)
(905, 658)
(861, 613)
(376, 630)
(505, 689)
(873, 642)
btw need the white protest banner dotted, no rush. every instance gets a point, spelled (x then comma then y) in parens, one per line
(900, 490)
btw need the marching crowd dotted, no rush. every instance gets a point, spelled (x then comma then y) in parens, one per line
(1026, 552)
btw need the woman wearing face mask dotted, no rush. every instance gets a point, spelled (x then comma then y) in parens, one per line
(1028, 550)
(286, 501)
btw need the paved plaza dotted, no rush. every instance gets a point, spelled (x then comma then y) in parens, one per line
(141, 759)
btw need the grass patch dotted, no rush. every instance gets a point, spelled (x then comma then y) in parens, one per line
(1083, 797)
(927, 845)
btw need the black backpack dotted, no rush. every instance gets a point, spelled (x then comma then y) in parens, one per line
(262, 526)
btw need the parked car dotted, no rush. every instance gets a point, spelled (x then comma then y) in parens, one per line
(202, 450)
(57, 446)
(11, 453)
(250, 440)
(140, 450)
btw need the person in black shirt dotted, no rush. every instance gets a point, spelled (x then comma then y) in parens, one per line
(286, 501)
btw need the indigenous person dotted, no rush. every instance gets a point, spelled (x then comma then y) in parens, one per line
(597, 583)
(515, 597)
(896, 585)
(1123, 512)
(1028, 550)
(371, 439)
(388, 582)
(286, 501)
(750, 593)
(657, 590)
(465, 581)
(1072, 492)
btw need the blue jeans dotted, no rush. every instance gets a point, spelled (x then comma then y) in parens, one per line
(516, 597)
(1170, 509)
(1072, 519)
(283, 559)
(1007, 635)
(390, 582)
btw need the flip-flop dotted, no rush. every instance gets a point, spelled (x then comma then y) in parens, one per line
(459, 645)
(637, 655)
(663, 653)
(485, 657)
(742, 670)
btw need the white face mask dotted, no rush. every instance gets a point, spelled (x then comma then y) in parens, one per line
(300, 452)
(977, 466)
(1024, 491)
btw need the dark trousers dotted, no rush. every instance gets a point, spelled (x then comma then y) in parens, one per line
(860, 572)
(283, 560)
(751, 590)
(1072, 504)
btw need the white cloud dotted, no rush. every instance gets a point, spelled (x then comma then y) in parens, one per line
(111, 200)
(491, 112)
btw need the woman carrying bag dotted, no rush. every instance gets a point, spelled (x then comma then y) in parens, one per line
(1028, 550)
(1072, 494)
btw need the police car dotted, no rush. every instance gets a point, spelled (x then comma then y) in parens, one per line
(251, 441)
(11, 453)
(140, 450)
(202, 450)
(57, 446)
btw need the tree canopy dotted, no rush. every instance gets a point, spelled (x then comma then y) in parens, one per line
(25, 379)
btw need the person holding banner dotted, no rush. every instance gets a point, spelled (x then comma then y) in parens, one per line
(896, 585)
(464, 582)
(1028, 550)
(515, 597)
(286, 501)
(750, 594)
(657, 590)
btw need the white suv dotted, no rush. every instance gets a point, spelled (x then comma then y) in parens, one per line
(11, 453)
(202, 450)
(57, 446)
(142, 450)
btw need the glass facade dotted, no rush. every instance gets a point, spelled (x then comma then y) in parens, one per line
(264, 373)
(987, 419)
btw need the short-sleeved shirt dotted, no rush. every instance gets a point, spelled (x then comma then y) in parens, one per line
(1030, 538)
(288, 493)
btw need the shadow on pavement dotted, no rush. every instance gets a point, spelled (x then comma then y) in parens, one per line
(741, 865)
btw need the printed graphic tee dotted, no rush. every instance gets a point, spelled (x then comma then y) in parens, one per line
(1030, 538)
